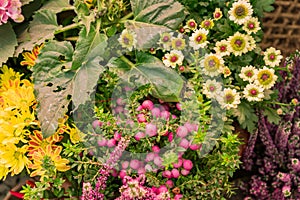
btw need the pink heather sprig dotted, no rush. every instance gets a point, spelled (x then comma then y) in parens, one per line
(249, 151)
(104, 172)
(10, 9)
(87, 192)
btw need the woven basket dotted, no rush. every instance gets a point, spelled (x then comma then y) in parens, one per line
(282, 27)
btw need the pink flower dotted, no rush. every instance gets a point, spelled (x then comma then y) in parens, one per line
(178, 164)
(167, 174)
(148, 105)
(134, 164)
(10, 9)
(175, 173)
(187, 164)
(184, 143)
(139, 136)
(155, 149)
(184, 172)
(181, 131)
(151, 130)
(169, 183)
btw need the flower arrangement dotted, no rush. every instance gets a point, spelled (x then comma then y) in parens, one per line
(132, 100)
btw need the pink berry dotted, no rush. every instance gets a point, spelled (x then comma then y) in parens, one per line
(119, 109)
(178, 106)
(178, 196)
(162, 189)
(150, 157)
(174, 117)
(117, 136)
(184, 172)
(122, 174)
(155, 149)
(134, 164)
(111, 143)
(151, 130)
(182, 131)
(170, 137)
(195, 147)
(97, 124)
(165, 115)
(148, 105)
(141, 171)
(155, 112)
(184, 143)
(167, 174)
(125, 164)
(169, 183)
(141, 118)
(178, 164)
(157, 161)
(139, 136)
(114, 172)
(140, 108)
(102, 143)
(187, 164)
(175, 173)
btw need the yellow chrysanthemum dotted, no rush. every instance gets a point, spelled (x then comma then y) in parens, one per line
(9, 78)
(75, 135)
(37, 141)
(30, 57)
(240, 11)
(14, 158)
(46, 162)
(3, 172)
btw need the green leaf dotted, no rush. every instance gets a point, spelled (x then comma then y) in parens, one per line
(272, 115)
(88, 74)
(53, 84)
(41, 28)
(85, 44)
(8, 42)
(169, 13)
(261, 6)
(57, 6)
(24, 2)
(246, 116)
(147, 34)
(150, 70)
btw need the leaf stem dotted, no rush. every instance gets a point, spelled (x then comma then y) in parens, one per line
(127, 61)
(69, 27)
(122, 20)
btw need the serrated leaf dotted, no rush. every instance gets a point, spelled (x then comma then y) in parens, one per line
(24, 2)
(85, 44)
(57, 6)
(169, 13)
(147, 34)
(53, 84)
(150, 70)
(87, 76)
(261, 6)
(41, 28)
(8, 42)
(246, 116)
(272, 115)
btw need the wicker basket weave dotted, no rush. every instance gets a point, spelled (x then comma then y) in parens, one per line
(282, 27)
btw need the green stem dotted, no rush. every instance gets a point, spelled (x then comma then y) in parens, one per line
(66, 28)
(122, 20)
(123, 58)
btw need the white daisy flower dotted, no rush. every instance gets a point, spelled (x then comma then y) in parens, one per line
(253, 92)
(272, 57)
(252, 25)
(265, 78)
(199, 39)
(221, 48)
(212, 64)
(173, 58)
(229, 98)
(238, 43)
(127, 39)
(240, 12)
(165, 41)
(248, 73)
(212, 88)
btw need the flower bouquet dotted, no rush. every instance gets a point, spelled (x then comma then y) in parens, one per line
(132, 99)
